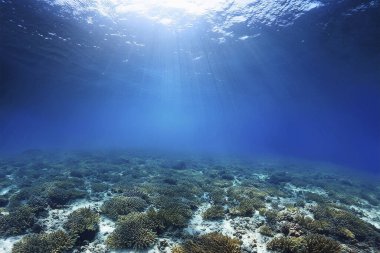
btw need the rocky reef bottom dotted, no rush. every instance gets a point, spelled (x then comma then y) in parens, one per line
(127, 202)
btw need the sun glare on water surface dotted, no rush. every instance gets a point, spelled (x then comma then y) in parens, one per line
(221, 16)
(165, 12)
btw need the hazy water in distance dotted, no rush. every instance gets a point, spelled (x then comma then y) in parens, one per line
(289, 78)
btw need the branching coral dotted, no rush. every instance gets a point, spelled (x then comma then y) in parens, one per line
(265, 230)
(217, 196)
(83, 224)
(214, 213)
(315, 226)
(211, 243)
(17, 222)
(56, 242)
(315, 197)
(99, 187)
(246, 207)
(174, 214)
(240, 193)
(185, 190)
(287, 244)
(132, 231)
(177, 249)
(310, 244)
(57, 196)
(38, 204)
(135, 192)
(254, 193)
(61, 192)
(122, 206)
(319, 243)
(246, 199)
(270, 215)
(346, 225)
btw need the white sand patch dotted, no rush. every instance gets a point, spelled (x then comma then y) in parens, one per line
(370, 215)
(306, 211)
(106, 226)
(282, 203)
(243, 228)
(311, 189)
(236, 182)
(6, 245)
(261, 242)
(197, 225)
(57, 217)
(10, 177)
(227, 229)
(261, 177)
(5, 190)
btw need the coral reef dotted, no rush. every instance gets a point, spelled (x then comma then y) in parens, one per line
(320, 243)
(174, 215)
(55, 193)
(17, 222)
(177, 249)
(344, 224)
(286, 244)
(214, 213)
(132, 231)
(60, 193)
(82, 224)
(309, 244)
(210, 243)
(56, 242)
(245, 208)
(99, 187)
(119, 200)
(217, 196)
(265, 230)
(122, 206)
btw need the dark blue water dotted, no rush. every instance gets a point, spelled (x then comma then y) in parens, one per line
(285, 78)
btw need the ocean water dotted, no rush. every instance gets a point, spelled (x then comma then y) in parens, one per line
(189, 126)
